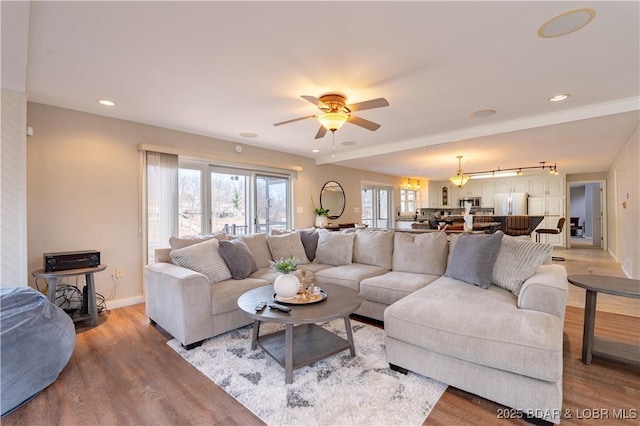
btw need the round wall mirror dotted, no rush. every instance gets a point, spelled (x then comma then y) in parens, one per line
(332, 199)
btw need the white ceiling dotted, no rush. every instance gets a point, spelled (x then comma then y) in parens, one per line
(223, 68)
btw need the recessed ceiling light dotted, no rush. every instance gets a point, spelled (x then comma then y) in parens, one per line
(566, 23)
(249, 135)
(560, 97)
(483, 113)
(348, 143)
(106, 102)
(315, 151)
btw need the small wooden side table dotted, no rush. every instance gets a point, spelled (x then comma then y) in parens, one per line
(91, 287)
(591, 345)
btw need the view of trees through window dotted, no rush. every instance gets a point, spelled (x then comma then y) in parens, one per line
(214, 199)
(228, 203)
(189, 203)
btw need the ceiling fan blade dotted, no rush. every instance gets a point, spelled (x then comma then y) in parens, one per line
(293, 120)
(321, 132)
(373, 103)
(370, 125)
(317, 102)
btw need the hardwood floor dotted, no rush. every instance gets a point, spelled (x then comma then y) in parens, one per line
(123, 373)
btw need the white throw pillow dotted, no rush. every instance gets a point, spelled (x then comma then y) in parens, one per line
(517, 261)
(287, 245)
(334, 248)
(205, 258)
(257, 245)
(420, 253)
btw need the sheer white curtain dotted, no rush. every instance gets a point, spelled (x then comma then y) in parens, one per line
(161, 199)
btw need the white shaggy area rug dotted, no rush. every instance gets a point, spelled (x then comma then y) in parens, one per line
(339, 390)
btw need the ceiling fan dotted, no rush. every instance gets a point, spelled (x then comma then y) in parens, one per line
(334, 112)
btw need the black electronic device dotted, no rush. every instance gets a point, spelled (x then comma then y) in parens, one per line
(64, 261)
(260, 306)
(279, 307)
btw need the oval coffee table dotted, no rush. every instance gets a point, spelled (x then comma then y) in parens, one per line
(591, 345)
(302, 342)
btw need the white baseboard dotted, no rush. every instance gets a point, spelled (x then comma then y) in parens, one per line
(121, 303)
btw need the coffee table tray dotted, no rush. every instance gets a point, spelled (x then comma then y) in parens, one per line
(297, 299)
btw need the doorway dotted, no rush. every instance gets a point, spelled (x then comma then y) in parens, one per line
(377, 201)
(586, 218)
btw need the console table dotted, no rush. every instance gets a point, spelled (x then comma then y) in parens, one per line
(52, 278)
(591, 345)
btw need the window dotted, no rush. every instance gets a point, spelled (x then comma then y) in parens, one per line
(233, 200)
(407, 201)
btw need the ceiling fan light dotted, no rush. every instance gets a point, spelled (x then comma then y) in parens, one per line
(333, 120)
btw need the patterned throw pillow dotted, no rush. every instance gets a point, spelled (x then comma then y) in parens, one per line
(517, 261)
(205, 258)
(334, 248)
(287, 245)
(473, 258)
(238, 258)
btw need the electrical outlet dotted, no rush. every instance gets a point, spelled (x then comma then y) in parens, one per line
(119, 272)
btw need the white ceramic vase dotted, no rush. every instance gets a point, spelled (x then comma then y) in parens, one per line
(322, 221)
(286, 285)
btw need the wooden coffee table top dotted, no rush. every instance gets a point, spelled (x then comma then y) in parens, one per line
(341, 301)
(617, 286)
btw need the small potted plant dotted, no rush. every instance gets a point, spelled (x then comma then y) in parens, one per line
(287, 284)
(322, 217)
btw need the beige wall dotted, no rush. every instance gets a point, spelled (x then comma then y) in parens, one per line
(623, 197)
(83, 191)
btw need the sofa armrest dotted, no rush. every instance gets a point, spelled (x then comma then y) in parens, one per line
(179, 300)
(546, 291)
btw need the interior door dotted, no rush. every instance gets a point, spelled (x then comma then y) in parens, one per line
(596, 216)
(272, 203)
(377, 201)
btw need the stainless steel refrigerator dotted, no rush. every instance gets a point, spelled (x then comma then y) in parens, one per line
(511, 204)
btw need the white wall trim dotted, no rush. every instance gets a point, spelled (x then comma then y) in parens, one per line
(121, 303)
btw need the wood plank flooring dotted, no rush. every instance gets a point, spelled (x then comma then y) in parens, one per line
(123, 373)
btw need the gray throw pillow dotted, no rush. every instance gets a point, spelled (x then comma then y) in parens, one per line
(309, 239)
(238, 258)
(473, 258)
(517, 261)
(259, 248)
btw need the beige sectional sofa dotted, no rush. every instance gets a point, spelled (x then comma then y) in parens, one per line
(503, 342)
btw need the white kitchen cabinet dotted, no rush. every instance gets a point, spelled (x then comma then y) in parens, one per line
(488, 194)
(552, 186)
(552, 208)
(473, 188)
(511, 185)
(438, 199)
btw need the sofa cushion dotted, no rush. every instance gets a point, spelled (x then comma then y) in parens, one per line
(348, 275)
(420, 253)
(204, 258)
(257, 244)
(393, 286)
(225, 294)
(238, 258)
(189, 240)
(334, 248)
(373, 247)
(517, 261)
(466, 322)
(473, 258)
(309, 238)
(287, 245)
